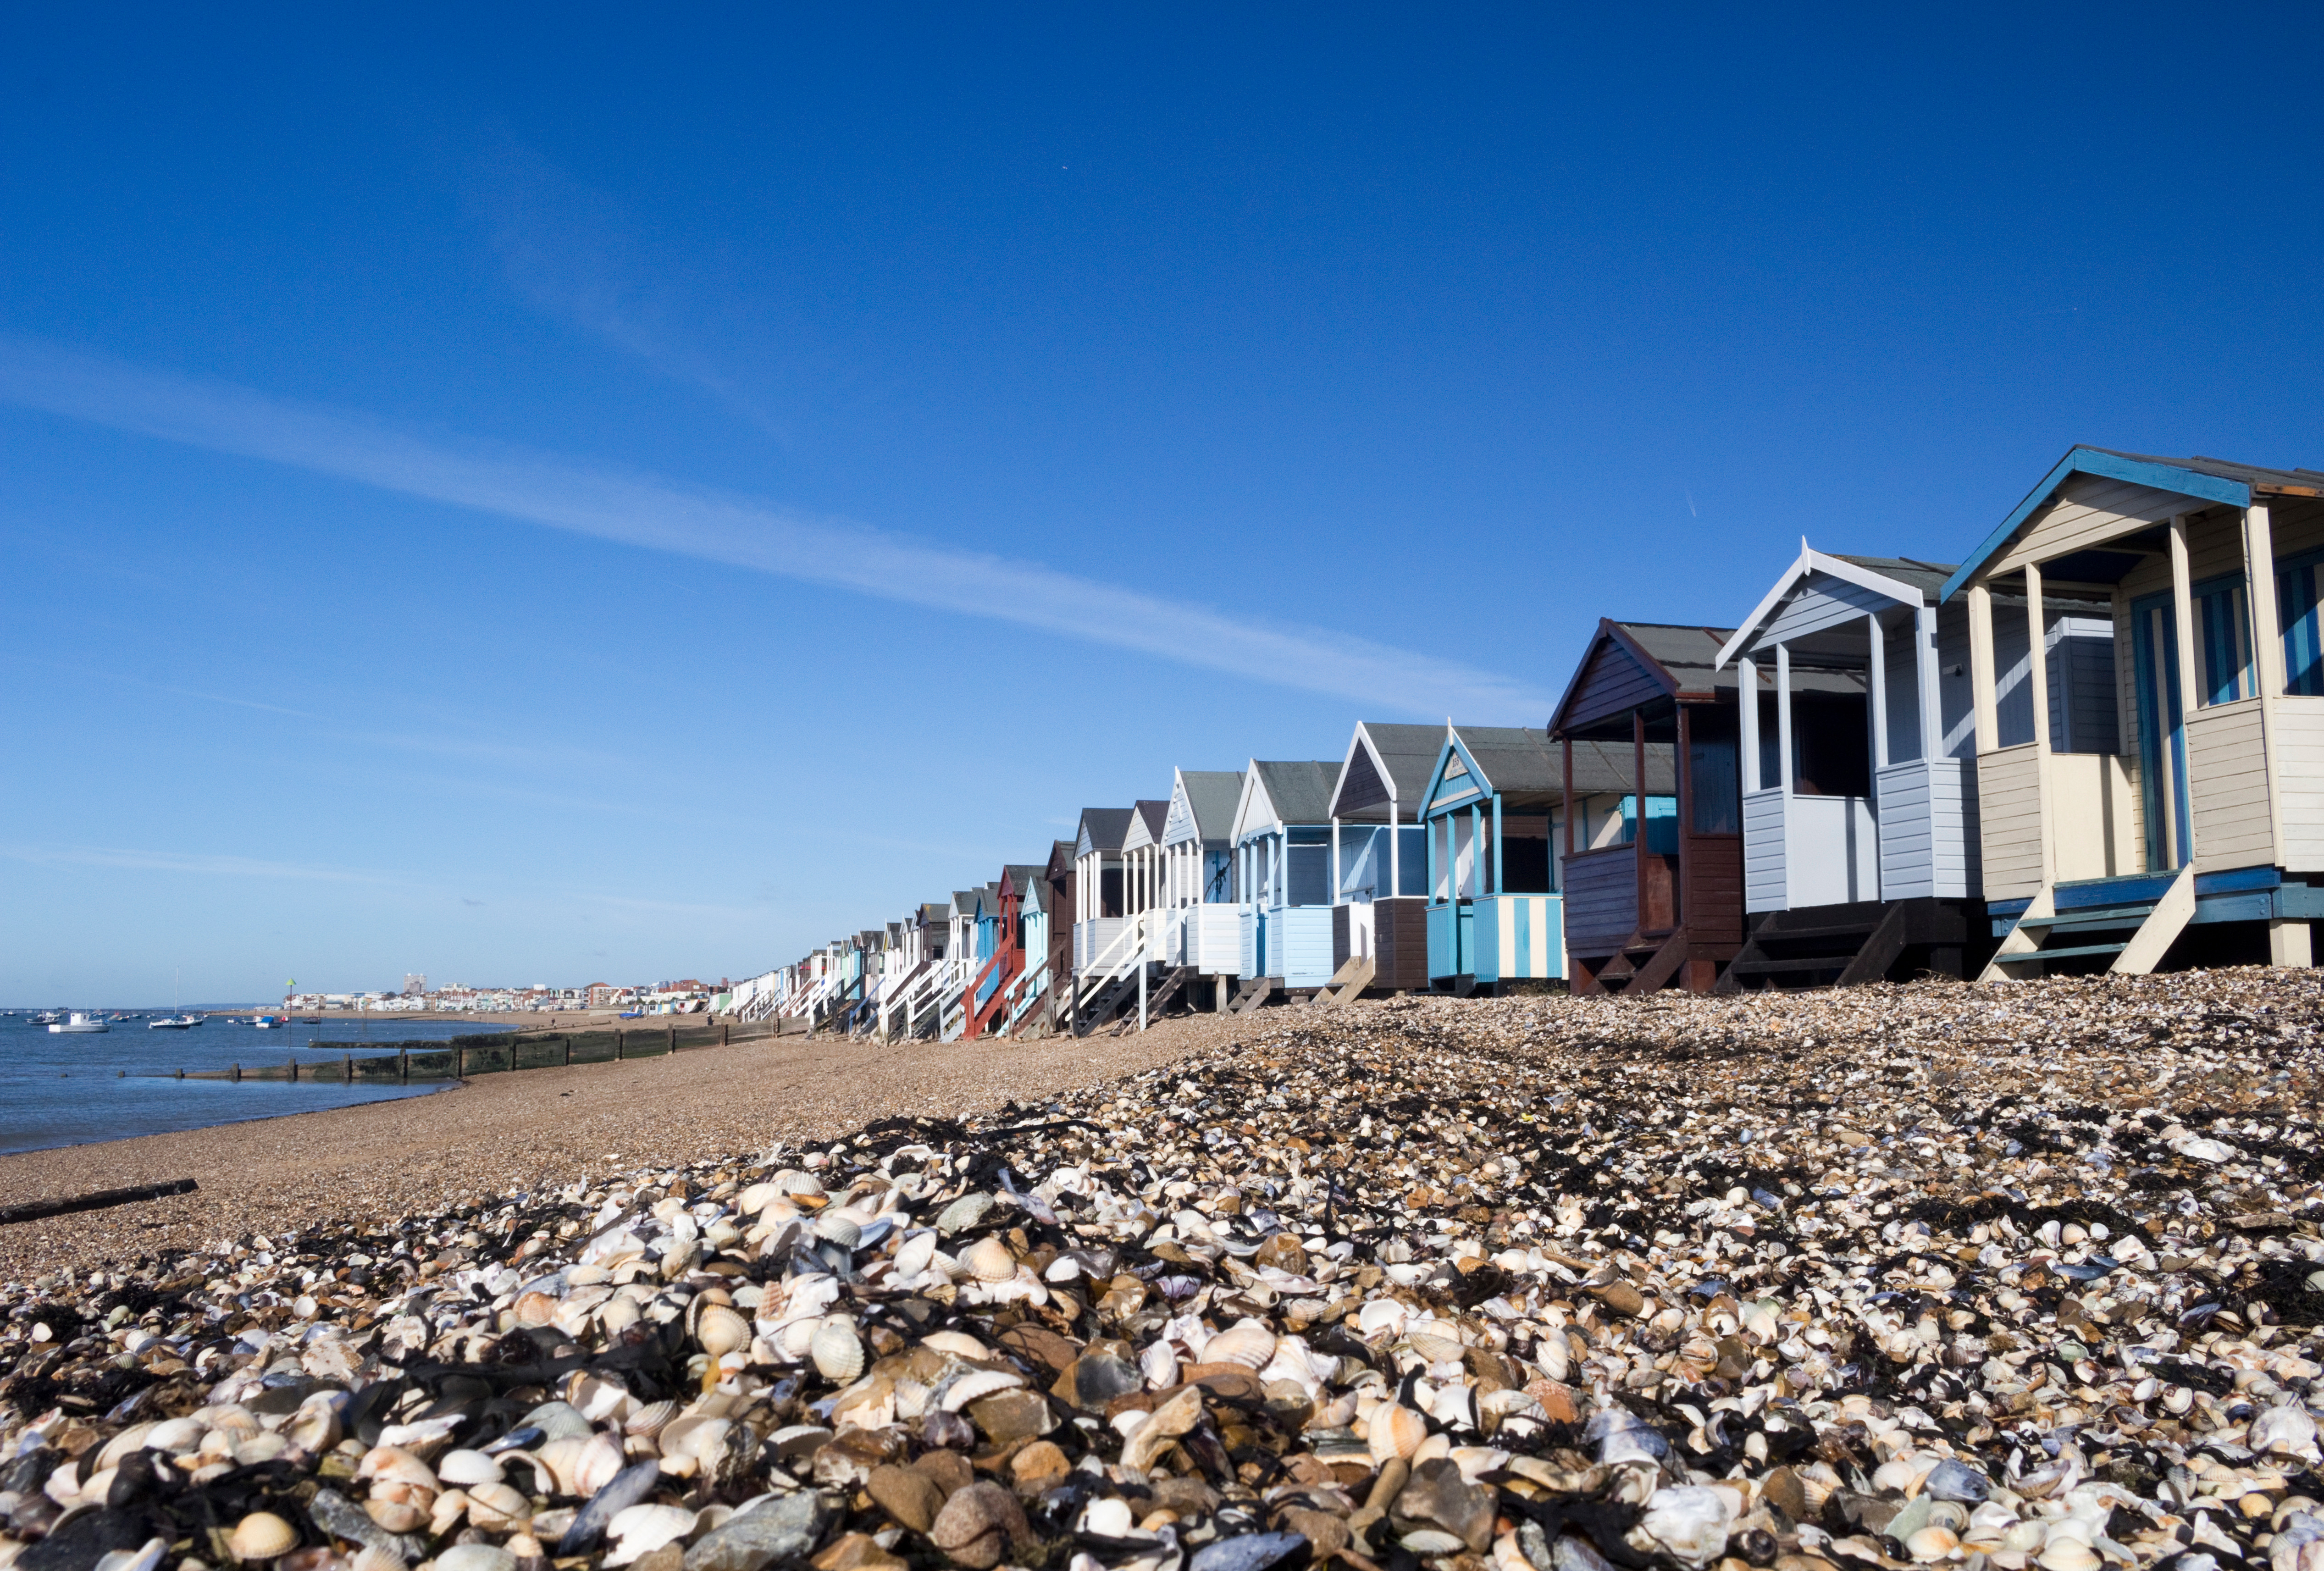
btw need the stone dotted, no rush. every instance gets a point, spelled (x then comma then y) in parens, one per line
(907, 1494)
(978, 1525)
(1013, 1415)
(1437, 1496)
(788, 1527)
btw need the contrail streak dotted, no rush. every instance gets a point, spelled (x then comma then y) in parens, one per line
(660, 514)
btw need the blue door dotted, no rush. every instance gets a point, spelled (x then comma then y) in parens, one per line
(2162, 770)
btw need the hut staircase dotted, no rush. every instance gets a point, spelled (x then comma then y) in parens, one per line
(1253, 995)
(1349, 982)
(1104, 1000)
(1023, 996)
(2131, 919)
(1646, 963)
(1174, 985)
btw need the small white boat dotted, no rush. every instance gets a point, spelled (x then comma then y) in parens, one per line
(267, 1022)
(47, 1017)
(174, 1022)
(79, 1024)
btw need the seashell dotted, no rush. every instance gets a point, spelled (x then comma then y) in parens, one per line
(1246, 1342)
(640, 1529)
(1933, 1544)
(394, 1515)
(1436, 1348)
(1690, 1520)
(562, 1457)
(990, 1260)
(1380, 1316)
(262, 1536)
(721, 1331)
(649, 1420)
(963, 1214)
(959, 1343)
(976, 1385)
(837, 1353)
(536, 1309)
(475, 1557)
(618, 1314)
(497, 1507)
(1396, 1432)
(465, 1468)
(176, 1435)
(838, 1227)
(394, 1464)
(2065, 1554)
(376, 1558)
(600, 1459)
(137, 1437)
(914, 1253)
(314, 1428)
(589, 1276)
(557, 1421)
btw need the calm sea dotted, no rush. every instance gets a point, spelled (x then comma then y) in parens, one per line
(67, 1090)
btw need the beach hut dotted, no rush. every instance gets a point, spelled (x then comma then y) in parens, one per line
(1491, 808)
(1064, 883)
(1282, 835)
(1380, 855)
(1203, 929)
(1860, 797)
(2199, 833)
(1141, 873)
(1098, 909)
(1025, 892)
(992, 989)
(1652, 872)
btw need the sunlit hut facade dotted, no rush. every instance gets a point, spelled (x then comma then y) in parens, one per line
(1380, 859)
(2199, 834)
(1490, 812)
(1652, 881)
(1860, 784)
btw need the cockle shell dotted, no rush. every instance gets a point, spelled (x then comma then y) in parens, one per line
(618, 1314)
(640, 1529)
(376, 1558)
(497, 1507)
(976, 1385)
(650, 1418)
(593, 1469)
(468, 1468)
(1395, 1431)
(721, 1331)
(838, 1227)
(562, 1457)
(262, 1536)
(990, 1260)
(475, 1557)
(959, 1343)
(913, 1255)
(836, 1350)
(393, 1465)
(1248, 1343)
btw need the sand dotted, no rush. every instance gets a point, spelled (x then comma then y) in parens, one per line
(499, 1134)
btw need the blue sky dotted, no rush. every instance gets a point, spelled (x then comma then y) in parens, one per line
(564, 494)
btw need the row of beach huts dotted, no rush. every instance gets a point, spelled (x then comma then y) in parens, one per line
(2091, 745)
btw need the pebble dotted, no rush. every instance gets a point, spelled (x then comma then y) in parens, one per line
(1995, 1277)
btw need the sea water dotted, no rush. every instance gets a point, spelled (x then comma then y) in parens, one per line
(57, 1088)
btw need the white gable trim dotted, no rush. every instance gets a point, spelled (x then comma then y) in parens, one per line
(1811, 561)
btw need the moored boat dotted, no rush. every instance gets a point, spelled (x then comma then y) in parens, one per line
(79, 1024)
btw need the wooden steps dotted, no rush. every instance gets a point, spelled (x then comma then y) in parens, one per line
(2141, 915)
(1348, 982)
(1849, 945)
(1254, 992)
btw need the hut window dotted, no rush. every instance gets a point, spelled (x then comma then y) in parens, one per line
(2300, 590)
(1714, 785)
(2223, 640)
(1662, 823)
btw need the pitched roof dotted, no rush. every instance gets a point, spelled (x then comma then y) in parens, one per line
(1211, 796)
(1101, 829)
(1386, 762)
(1626, 662)
(1146, 819)
(2216, 480)
(1299, 791)
(1031, 883)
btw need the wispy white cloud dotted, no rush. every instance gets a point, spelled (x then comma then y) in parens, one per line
(163, 687)
(660, 514)
(201, 864)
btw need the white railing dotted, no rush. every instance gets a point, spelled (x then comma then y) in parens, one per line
(1029, 985)
(1113, 962)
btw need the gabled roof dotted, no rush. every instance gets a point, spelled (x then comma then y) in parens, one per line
(1629, 661)
(1029, 883)
(1285, 792)
(1146, 820)
(1524, 767)
(2212, 481)
(1386, 763)
(1897, 579)
(1202, 806)
(1101, 829)
(1061, 859)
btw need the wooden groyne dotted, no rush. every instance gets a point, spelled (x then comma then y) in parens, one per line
(485, 1053)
